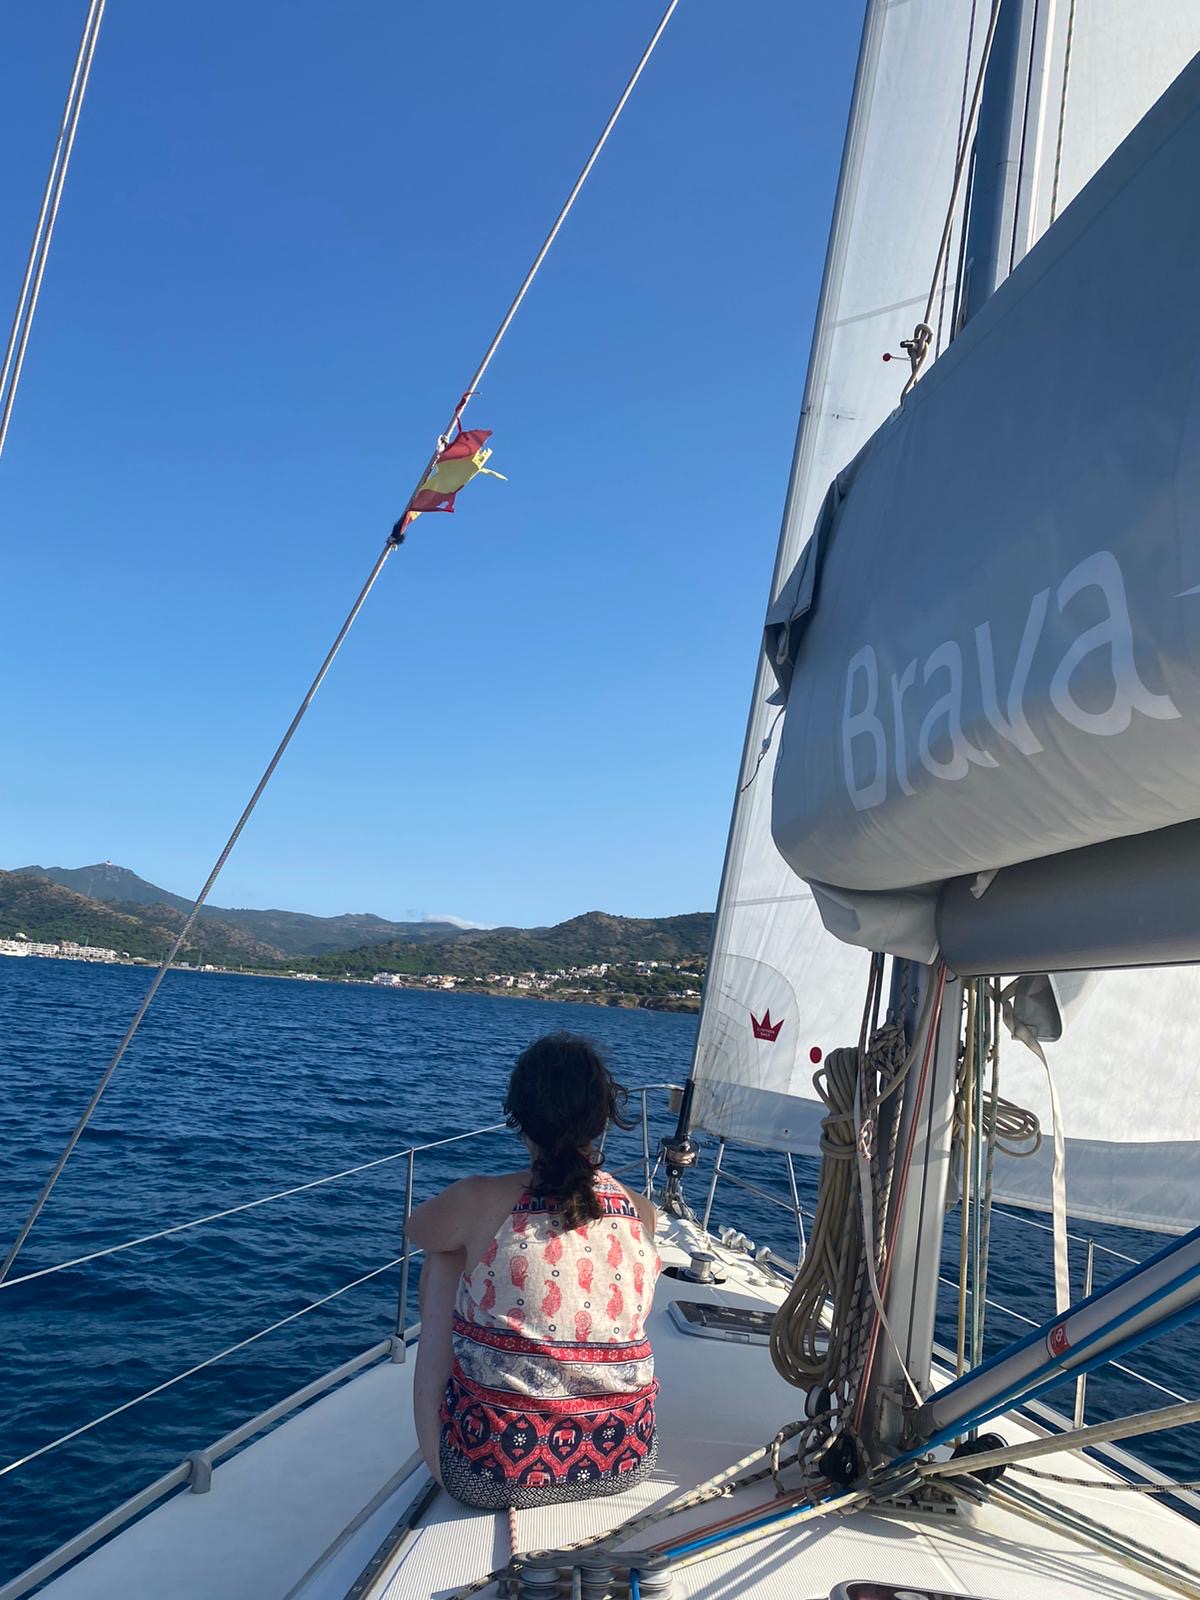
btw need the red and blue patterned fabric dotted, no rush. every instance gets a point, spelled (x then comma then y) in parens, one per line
(551, 1395)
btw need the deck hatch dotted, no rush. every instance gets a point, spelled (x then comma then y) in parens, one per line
(735, 1324)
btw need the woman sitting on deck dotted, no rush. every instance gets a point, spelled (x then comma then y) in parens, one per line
(535, 1380)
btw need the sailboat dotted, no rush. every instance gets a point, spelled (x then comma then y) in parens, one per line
(935, 876)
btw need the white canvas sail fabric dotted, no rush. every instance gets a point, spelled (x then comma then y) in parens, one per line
(1123, 56)
(770, 951)
(1127, 1065)
(1127, 1070)
(1026, 679)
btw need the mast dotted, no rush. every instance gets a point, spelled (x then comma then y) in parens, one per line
(1007, 145)
(926, 1113)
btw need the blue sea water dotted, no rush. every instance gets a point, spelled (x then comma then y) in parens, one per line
(236, 1087)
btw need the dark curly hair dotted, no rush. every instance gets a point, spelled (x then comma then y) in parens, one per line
(562, 1096)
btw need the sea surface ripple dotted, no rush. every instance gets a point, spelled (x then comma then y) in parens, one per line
(236, 1087)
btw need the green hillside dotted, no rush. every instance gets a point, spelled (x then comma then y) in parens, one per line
(583, 941)
(289, 933)
(45, 911)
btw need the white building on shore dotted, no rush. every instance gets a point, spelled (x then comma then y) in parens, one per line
(63, 949)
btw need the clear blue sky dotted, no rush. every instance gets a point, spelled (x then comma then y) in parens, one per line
(288, 232)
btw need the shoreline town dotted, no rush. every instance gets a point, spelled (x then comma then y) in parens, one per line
(599, 983)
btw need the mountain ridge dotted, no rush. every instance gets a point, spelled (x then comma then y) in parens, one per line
(591, 938)
(290, 933)
(34, 904)
(46, 912)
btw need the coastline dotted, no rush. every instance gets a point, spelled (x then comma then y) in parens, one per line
(679, 1005)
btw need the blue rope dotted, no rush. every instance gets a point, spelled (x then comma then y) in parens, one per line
(729, 1533)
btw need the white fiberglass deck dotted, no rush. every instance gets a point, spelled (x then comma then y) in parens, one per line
(274, 1526)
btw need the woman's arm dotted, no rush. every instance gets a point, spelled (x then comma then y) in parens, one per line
(439, 1227)
(453, 1228)
(439, 1284)
(443, 1222)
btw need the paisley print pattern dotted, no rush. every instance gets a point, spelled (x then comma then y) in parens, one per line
(551, 1396)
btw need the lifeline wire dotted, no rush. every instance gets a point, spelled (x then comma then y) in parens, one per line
(169, 1383)
(393, 541)
(39, 250)
(245, 1205)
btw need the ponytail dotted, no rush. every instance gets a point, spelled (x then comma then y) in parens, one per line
(562, 1097)
(569, 1175)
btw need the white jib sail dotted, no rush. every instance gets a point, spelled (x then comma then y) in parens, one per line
(771, 954)
(1127, 1070)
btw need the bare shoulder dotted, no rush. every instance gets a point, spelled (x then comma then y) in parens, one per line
(499, 1183)
(451, 1220)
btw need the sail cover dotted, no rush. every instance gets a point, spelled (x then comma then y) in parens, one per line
(1020, 674)
(770, 951)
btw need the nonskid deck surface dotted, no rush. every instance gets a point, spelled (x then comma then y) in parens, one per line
(275, 1524)
(718, 1400)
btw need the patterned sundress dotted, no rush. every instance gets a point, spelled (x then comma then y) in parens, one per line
(551, 1395)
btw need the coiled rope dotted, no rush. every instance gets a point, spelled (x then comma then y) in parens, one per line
(853, 1199)
(395, 538)
(800, 1351)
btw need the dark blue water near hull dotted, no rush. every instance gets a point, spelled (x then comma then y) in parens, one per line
(238, 1086)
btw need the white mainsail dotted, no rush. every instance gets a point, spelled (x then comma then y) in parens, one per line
(1122, 56)
(917, 64)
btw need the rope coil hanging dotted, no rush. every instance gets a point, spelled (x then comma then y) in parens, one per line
(837, 1269)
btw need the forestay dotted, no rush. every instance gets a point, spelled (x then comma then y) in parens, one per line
(770, 953)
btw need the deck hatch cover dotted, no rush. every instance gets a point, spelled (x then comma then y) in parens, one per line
(870, 1590)
(735, 1324)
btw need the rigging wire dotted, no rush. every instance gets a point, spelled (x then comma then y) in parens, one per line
(1105, 1483)
(763, 750)
(1142, 1422)
(200, 1366)
(394, 540)
(1062, 112)
(39, 250)
(918, 345)
(958, 139)
(930, 1026)
(1073, 1524)
(245, 1205)
(1078, 1238)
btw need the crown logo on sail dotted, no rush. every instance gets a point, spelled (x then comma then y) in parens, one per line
(766, 1029)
